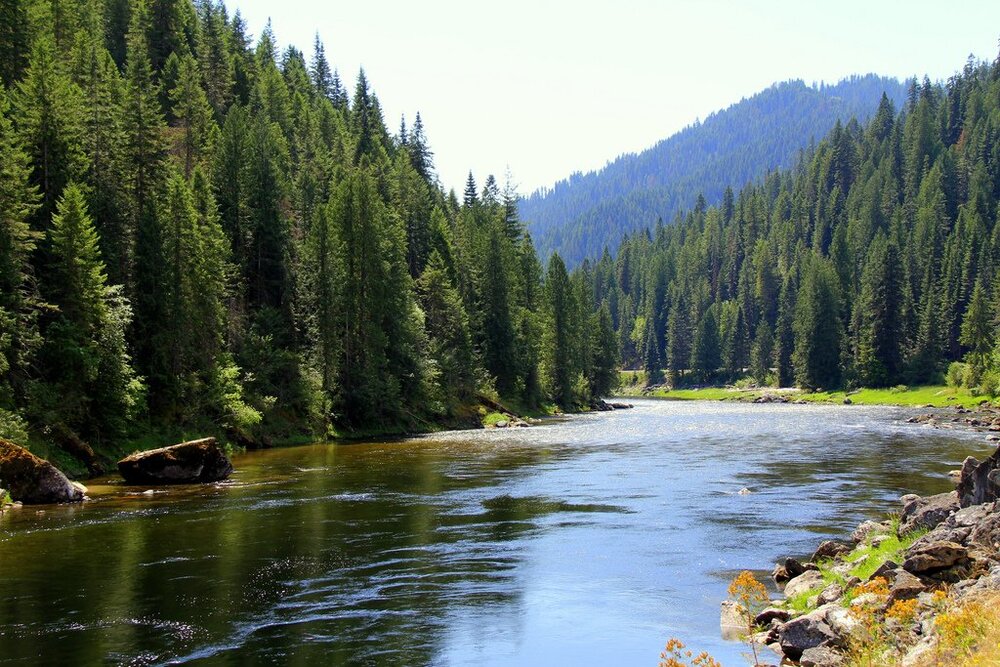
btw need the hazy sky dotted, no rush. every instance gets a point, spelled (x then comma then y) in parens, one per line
(551, 87)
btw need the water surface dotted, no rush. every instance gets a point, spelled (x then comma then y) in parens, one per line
(586, 541)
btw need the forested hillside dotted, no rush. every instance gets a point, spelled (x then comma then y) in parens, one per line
(582, 215)
(201, 232)
(876, 261)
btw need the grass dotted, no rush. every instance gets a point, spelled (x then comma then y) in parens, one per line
(940, 396)
(494, 418)
(891, 548)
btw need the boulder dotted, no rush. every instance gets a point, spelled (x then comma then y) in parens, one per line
(975, 485)
(831, 593)
(886, 571)
(867, 528)
(732, 621)
(186, 463)
(927, 512)
(806, 581)
(821, 656)
(803, 633)
(905, 586)
(933, 557)
(830, 549)
(842, 621)
(764, 618)
(788, 569)
(35, 481)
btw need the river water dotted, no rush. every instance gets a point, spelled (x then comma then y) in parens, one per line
(585, 541)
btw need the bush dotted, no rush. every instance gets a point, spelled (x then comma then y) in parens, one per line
(955, 375)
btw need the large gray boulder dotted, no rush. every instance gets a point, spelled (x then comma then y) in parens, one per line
(927, 512)
(35, 481)
(187, 463)
(805, 632)
(821, 656)
(806, 581)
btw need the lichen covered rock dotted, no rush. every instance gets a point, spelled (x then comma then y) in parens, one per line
(34, 481)
(186, 463)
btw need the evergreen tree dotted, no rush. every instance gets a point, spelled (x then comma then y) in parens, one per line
(978, 333)
(450, 343)
(89, 386)
(557, 348)
(817, 327)
(706, 355)
(879, 353)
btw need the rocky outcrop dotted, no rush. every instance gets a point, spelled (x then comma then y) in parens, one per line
(35, 481)
(927, 512)
(186, 463)
(979, 482)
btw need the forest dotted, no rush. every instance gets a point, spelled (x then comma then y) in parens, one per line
(201, 232)
(874, 262)
(582, 214)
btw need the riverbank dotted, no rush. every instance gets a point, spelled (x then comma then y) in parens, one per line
(930, 396)
(919, 589)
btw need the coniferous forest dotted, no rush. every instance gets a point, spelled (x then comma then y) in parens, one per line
(202, 231)
(875, 262)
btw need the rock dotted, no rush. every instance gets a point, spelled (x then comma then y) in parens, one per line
(764, 618)
(934, 556)
(186, 463)
(803, 633)
(34, 481)
(789, 569)
(905, 586)
(886, 570)
(848, 401)
(806, 581)
(841, 621)
(975, 486)
(501, 424)
(959, 526)
(866, 529)
(744, 492)
(926, 512)
(821, 656)
(732, 621)
(831, 593)
(830, 549)
(986, 531)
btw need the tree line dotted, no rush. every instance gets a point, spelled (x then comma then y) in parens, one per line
(874, 262)
(199, 230)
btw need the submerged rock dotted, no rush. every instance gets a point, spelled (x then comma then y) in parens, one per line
(35, 481)
(189, 462)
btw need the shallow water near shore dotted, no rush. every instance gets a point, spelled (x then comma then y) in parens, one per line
(589, 540)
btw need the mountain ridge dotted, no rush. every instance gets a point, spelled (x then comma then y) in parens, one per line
(581, 214)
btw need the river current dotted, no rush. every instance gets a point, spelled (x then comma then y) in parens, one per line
(589, 540)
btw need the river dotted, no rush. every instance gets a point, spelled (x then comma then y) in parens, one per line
(589, 540)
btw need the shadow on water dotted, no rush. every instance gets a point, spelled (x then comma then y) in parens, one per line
(589, 541)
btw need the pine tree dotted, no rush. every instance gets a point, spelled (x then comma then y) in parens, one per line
(978, 333)
(48, 108)
(448, 332)
(88, 381)
(603, 377)
(706, 354)
(499, 352)
(879, 308)
(192, 116)
(817, 327)
(319, 70)
(18, 291)
(14, 40)
(557, 347)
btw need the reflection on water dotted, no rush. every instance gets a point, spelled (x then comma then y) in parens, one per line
(588, 541)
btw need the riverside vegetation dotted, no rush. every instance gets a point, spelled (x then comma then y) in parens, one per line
(201, 232)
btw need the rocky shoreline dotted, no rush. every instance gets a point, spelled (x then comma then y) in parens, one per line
(949, 552)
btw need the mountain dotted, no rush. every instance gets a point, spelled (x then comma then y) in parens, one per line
(581, 215)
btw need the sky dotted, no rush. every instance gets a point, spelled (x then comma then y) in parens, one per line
(544, 88)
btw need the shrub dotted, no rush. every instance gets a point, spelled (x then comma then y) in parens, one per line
(955, 375)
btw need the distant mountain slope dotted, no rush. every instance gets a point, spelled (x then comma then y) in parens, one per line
(581, 215)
